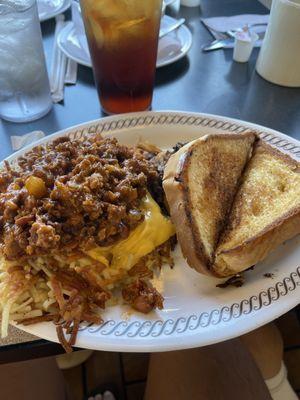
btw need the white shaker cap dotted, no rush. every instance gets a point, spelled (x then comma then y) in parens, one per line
(243, 46)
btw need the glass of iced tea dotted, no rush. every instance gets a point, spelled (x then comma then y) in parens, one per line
(123, 39)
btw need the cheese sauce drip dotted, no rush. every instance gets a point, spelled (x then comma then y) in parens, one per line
(151, 233)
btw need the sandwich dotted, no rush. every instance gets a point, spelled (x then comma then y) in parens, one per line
(200, 182)
(265, 212)
(79, 222)
(233, 199)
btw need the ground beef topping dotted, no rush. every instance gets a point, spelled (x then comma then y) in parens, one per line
(72, 194)
(142, 297)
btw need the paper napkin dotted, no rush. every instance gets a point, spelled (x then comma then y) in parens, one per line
(223, 24)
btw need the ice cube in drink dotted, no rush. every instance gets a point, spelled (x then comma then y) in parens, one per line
(123, 37)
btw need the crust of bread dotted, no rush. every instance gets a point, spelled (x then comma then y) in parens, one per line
(255, 249)
(176, 187)
(176, 194)
(262, 146)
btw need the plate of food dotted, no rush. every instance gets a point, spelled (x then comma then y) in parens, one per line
(150, 231)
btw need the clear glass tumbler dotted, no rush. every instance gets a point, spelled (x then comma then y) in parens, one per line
(123, 39)
(24, 84)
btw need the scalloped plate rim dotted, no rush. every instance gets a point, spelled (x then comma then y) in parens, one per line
(199, 337)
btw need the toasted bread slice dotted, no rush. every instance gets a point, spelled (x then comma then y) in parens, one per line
(200, 182)
(265, 213)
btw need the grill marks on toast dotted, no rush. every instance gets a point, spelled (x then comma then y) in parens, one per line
(265, 213)
(200, 182)
(233, 199)
(212, 176)
(270, 183)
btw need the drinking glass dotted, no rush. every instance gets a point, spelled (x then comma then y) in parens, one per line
(24, 84)
(123, 39)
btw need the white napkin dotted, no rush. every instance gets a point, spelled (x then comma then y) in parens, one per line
(224, 24)
(79, 26)
(58, 64)
(17, 142)
(71, 72)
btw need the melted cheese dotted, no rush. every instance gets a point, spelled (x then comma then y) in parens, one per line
(152, 232)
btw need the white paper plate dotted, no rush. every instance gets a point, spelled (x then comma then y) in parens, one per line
(171, 48)
(50, 8)
(196, 312)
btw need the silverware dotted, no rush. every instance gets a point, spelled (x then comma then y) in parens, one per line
(222, 43)
(171, 28)
(230, 33)
(220, 34)
(54, 69)
(58, 65)
(217, 44)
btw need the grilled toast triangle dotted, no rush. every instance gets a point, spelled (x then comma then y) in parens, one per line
(200, 182)
(265, 213)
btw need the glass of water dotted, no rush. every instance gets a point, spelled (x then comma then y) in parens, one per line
(24, 83)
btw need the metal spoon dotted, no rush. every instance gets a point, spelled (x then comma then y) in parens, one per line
(221, 43)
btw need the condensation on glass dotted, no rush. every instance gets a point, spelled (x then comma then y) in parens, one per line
(24, 83)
